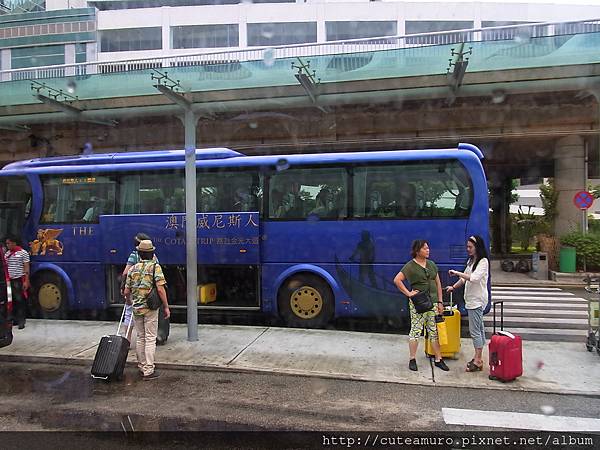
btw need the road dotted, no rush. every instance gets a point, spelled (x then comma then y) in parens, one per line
(45, 396)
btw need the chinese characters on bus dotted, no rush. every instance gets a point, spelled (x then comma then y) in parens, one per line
(213, 221)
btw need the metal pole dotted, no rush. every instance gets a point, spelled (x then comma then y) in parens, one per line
(191, 248)
(584, 222)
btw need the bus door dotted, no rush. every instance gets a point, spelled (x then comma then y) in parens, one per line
(228, 254)
(12, 217)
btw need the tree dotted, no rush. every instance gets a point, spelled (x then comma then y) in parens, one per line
(549, 198)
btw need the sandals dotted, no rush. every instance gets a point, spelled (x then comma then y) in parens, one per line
(472, 367)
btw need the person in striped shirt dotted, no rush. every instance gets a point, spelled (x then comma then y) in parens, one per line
(17, 262)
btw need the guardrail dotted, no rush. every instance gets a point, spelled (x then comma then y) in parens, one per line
(271, 54)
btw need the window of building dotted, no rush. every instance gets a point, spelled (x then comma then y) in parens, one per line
(46, 55)
(511, 33)
(226, 191)
(80, 53)
(79, 198)
(282, 33)
(308, 194)
(360, 29)
(432, 26)
(427, 190)
(206, 36)
(152, 193)
(132, 39)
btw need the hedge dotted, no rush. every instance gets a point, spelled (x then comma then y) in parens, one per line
(587, 245)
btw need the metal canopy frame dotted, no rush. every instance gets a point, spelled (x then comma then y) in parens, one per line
(62, 101)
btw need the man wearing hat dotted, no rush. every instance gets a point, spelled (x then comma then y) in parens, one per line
(140, 280)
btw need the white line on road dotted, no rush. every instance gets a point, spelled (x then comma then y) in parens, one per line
(527, 292)
(519, 421)
(519, 288)
(537, 297)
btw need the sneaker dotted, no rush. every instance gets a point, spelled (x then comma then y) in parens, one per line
(441, 365)
(21, 326)
(412, 365)
(152, 376)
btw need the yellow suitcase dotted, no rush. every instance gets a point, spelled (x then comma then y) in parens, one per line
(452, 348)
(207, 293)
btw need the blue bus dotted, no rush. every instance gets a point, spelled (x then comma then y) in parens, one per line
(308, 238)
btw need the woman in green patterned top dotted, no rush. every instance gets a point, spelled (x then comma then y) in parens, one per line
(422, 274)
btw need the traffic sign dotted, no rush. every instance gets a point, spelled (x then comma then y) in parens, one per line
(583, 200)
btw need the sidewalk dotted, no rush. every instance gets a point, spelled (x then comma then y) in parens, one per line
(499, 277)
(550, 367)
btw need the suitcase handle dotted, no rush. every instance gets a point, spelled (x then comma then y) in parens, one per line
(121, 321)
(501, 303)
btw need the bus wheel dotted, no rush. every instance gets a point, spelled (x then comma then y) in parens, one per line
(49, 297)
(306, 301)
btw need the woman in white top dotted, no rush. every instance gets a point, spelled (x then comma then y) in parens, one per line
(475, 278)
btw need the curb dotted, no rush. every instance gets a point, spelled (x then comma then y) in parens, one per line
(294, 372)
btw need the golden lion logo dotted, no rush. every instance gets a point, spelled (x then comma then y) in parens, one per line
(46, 242)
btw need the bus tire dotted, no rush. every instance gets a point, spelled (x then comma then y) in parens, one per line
(49, 296)
(305, 301)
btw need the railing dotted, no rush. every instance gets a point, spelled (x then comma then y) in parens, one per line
(269, 55)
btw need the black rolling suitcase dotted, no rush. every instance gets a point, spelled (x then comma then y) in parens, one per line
(109, 362)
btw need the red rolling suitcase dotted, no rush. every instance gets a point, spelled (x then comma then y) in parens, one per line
(506, 352)
(109, 362)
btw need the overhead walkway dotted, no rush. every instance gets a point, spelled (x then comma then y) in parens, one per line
(320, 74)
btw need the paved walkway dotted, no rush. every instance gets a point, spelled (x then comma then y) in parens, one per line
(555, 367)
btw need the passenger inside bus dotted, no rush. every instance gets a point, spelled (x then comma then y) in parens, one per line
(407, 199)
(243, 200)
(93, 212)
(374, 203)
(277, 209)
(323, 200)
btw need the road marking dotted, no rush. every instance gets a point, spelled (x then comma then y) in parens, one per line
(524, 292)
(544, 312)
(519, 288)
(537, 297)
(543, 331)
(519, 421)
(538, 304)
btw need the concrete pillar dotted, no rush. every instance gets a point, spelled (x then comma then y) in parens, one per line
(569, 178)
(500, 189)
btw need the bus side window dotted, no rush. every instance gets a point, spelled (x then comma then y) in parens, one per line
(299, 194)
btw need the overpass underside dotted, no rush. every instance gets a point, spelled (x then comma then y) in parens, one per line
(529, 122)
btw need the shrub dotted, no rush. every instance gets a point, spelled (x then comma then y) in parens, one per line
(586, 245)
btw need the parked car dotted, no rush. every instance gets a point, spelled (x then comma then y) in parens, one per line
(6, 322)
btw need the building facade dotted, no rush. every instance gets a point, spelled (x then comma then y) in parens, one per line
(35, 33)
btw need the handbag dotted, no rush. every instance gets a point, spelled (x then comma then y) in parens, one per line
(422, 302)
(152, 299)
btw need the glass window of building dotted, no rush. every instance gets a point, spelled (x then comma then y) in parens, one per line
(131, 39)
(432, 26)
(360, 29)
(308, 193)
(206, 36)
(511, 33)
(45, 55)
(427, 190)
(283, 33)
